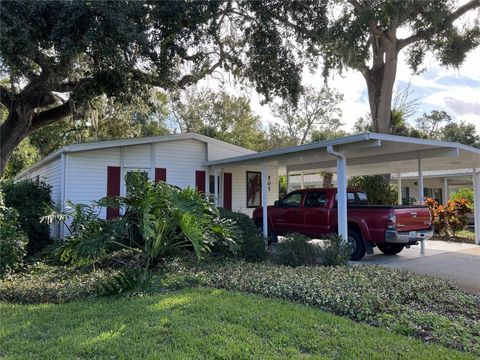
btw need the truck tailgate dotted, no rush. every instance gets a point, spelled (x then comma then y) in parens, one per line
(410, 219)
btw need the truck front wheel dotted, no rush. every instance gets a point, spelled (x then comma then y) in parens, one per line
(356, 242)
(390, 249)
(272, 237)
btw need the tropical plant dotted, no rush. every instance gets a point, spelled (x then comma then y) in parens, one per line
(451, 218)
(159, 219)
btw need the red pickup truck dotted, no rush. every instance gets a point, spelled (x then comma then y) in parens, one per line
(313, 212)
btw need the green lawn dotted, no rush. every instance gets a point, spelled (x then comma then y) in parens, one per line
(196, 324)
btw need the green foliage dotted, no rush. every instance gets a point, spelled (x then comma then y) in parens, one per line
(247, 235)
(159, 219)
(219, 115)
(462, 133)
(42, 283)
(416, 305)
(24, 155)
(335, 251)
(199, 323)
(378, 189)
(124, 281)
(463, 193)
(31, 200)
(452, 218)
(13, 241)
(296, 250)
(314, 112)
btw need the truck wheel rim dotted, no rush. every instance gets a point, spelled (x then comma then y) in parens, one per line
(352, 242)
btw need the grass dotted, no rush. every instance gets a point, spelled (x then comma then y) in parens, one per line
(200, 324)
(465, 236)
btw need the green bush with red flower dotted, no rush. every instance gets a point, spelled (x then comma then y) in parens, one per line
(451, 218)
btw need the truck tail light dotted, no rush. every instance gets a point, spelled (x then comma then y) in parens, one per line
(392, 221)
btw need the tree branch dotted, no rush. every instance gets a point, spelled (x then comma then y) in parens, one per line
(51, 115)
(6, 96)
(425, 34)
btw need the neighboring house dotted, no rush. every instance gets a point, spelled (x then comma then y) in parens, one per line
(87, 172)
(438, 184)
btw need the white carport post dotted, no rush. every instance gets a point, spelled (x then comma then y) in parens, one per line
(476, 192)
(399, 177)
(264, 199)
(302, 180)
(215, 186)
(445, 191)
(341, 193)
(420, 196)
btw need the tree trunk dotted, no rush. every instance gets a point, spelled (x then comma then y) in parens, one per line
(380, 79)
(12, 131)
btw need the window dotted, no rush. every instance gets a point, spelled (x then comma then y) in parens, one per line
(351, 200)
(128, 176)
(211, 186)
(316, 199)
(292, 200)
(362, 198)
(434, 193)
(406, 195)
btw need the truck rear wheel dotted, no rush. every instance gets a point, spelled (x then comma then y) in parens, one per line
(390, 249)
(356, 242)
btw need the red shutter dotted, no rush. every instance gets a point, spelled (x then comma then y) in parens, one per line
(160, 174)
(113, 188)
(200, 180)
(227, 191)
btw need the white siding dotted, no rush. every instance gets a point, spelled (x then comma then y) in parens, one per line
(219, 151)
(181, 159)
(137, 156)
(239, 187)
(87, 175)
(51, 174)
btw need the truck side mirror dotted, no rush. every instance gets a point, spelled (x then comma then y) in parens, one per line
(276, 203)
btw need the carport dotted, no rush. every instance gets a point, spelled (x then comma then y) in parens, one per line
(363, 154)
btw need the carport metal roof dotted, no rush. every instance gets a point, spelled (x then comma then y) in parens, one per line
(367, 153)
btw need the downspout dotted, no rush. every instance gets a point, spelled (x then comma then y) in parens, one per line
(341, 192)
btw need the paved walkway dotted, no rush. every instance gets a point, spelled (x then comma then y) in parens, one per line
(448, 260)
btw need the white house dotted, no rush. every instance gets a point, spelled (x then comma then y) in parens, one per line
(87, 172)
(242, 179)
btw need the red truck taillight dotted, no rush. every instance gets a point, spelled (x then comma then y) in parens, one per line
(392, 221)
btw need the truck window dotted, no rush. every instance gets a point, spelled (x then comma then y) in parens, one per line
(316, 199)
(291, 200)
(351, 200)
(362, 198)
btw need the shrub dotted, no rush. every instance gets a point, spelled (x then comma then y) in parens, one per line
(335, 251)
(451, 218)
(463, 193)
(249, 238)
(378, 189)
(13, 241)
(297, 250)
(31, 200)
(42, 283)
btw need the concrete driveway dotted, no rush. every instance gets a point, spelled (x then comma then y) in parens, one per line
(447, 260)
